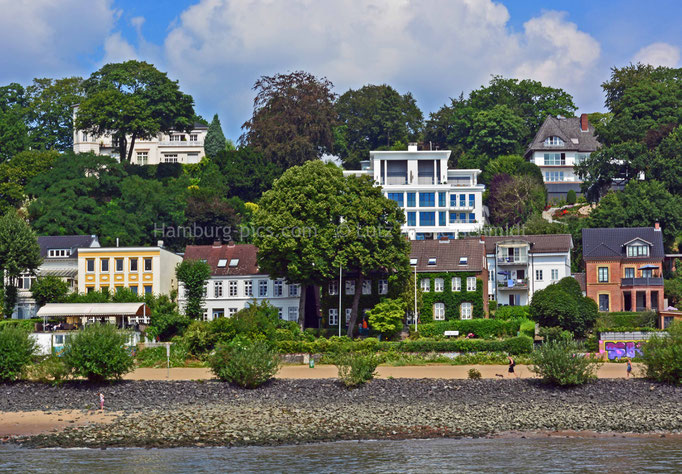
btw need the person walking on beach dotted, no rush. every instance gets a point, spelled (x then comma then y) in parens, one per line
(628, 369)
(101, 401)
(512, 364)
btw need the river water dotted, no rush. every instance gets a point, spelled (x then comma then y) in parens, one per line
(419, 456)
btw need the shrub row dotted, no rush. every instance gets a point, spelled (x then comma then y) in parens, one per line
(514, 345)
(27, 324)
(485, 328)
(627, 319)
(512, 312)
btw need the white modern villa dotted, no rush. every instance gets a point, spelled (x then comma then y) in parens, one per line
(176, 147)
(438, 202)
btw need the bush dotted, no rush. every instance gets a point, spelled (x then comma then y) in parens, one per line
(156, 356)
(98, 352)
(627, 319)
(26, 324)
(561, 304)
(555, 333)
(571, 197)
(165, 326)
(662, 356)
(492, 306)
(474, 374)
(16, 352)
(558, 363)
(387, 316)
(50, 369)
(248, 364)
(485, 328)
(527, 328)
(356, 368)
(512, 312)
(199, 339)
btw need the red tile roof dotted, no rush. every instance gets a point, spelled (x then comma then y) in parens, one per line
(545, 243)
(245, 254)
(447, 254)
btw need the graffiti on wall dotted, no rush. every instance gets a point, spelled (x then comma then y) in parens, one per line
(620, 349)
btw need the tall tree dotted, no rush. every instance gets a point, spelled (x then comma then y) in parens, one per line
(19, 253)
(513, 199)
(374, 118)
(133, 100)
(293, 118)
(193, 275)
(13, 130)
(215, 139)
(247, 173)
(16, 173)
(49, 289)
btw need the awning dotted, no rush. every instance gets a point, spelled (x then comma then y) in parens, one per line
(647, 267)
(93, 309)
(58, 272)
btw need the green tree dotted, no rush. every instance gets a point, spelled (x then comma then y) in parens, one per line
(215, 139)
(131, 101)
(293, 118)
(13, 129)
(193, 275)
(17, 349)
(19, 253)
(513, 199)
(513, 165)
(562, 305)
(246, 172)
(49, 289)
(374, 118)
(16, 173)
(497, 131)
(387, 316)
(98, 353)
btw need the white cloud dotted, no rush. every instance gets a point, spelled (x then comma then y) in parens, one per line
(118, 49)
(435, 48)
(48, 38)
(658, 54)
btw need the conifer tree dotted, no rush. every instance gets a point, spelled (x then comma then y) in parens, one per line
(215, 139)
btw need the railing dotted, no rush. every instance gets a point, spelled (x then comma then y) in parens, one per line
(515, 260)
(459, 206)
(180, 144)
(645, 281)
(513, 284)
(426, 180)
(396, 180)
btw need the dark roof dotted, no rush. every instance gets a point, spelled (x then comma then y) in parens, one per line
(546, 243)
(582, 280)
(609, 242)
(72, 242)
(566, 129)
(199, 126)
(447, 254)
(246, 255)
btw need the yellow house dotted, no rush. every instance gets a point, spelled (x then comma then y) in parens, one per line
(140, 269)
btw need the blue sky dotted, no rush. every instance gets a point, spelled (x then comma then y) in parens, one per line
(432, 48)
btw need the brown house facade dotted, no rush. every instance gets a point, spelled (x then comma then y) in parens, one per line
(623, 268)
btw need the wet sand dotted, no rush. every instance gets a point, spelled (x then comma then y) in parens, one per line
(27, 423)
(435, 371)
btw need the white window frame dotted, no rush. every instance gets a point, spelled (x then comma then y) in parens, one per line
(348, 312)
(425, 284)
(555, 274)
(439, 311)
(142, 157)
(292, 313)
(471, 283)
(262, 288)
(350, 287)
(170, 158)
(538, 275)
(438, 285)
(232, 311)
(278, 288)
(383, 287)
(333, 317)
(294, 290)
(233, 288)
(333, 288)
(466, 310)
(217, 289)
(366, 287)
(456, 284)
(248, 288)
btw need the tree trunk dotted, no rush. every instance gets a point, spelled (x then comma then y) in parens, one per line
(122, 142)
(301, 306)
(132, 145)
(356, 304)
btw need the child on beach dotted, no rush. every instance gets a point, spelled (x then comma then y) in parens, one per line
(101, 401)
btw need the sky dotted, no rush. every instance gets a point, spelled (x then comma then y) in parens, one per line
(435, 49)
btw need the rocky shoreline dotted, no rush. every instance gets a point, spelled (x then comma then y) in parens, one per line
(211, 413)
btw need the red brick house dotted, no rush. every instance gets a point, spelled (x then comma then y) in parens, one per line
(623, 268)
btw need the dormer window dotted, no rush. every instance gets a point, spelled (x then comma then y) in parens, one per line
(58, 253)
(638, 250)
(554, 141)
(432, 261)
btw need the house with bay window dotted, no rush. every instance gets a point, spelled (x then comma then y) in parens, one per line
(437, 201)
(237, 281)
(559, 145)
(624, 268)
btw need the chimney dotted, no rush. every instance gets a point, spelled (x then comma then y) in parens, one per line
(583, 122)
(159, 243)
(217, 244)
(657, 226)
(412, 146)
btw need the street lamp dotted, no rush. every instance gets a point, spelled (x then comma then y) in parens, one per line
(413, 262)
(340, 281)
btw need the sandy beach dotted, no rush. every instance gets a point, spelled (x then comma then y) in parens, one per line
(27, 423)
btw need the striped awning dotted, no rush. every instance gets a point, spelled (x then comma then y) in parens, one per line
(93, 309)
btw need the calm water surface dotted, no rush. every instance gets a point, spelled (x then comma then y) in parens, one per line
(463, 455)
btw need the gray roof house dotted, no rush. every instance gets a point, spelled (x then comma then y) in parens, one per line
(559, 144)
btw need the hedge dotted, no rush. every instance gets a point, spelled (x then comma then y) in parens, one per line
(485, 328)
(28, 324)
(514, 345)
(626, 319)
(512, 312)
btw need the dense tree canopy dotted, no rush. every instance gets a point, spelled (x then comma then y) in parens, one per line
(215, 139)
(16, 173)
(513, 199)
(293, 118)
(374, 118)
(133, 100)
(13, 129)
(562, 305)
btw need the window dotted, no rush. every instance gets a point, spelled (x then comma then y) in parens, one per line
(133, 264)
(427, 199)
(426, 284)
(104, 265)
(629, 273)
(222, 263)
(438, 285)
(472, 200)
(218, 289)
(231, 311)
(462, 200)
(366, 287)
(147, 289)
(555, 274)
(581, 157)
(218, 313)
(133, 288)
(262, 288)
(442, 198)
(90, 265)
(176, 138)
(553, 141)
(232, 288)
(555, 159)
(538, 275)
(471, 283)
(59, 253)
(119, 264)
(278, 287)
(85, 137)
(279, 313)
(411, 199)
(603, 302)
(170, 158)
(147, 264)
(453, 200)
(294, 290)
(439, 312)
(397, 197)
(333, 288)
(456, 284)
(647, 273)
(293, 313)
(333, 317)
(432, 261)
(472, 217)
(463, 260)
(603, 274)
(412, 218)
(192, 157)
(554, 176)
(234, 262)
(638, 250)
(89, 289)
(441, 219)
(427, 218)
(465, 311)
(104, 289)
(248, 288)
(348, 312)
(142, 157)
(193, 137)
(350, 287)
(383, 287)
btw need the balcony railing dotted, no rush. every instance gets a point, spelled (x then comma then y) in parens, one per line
(650, 281)
(181, 144)
(513, 284)
(515, 260)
